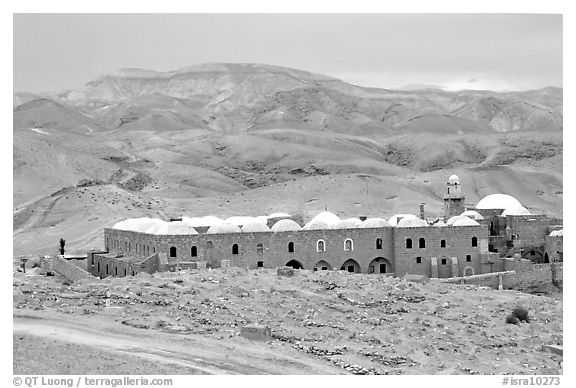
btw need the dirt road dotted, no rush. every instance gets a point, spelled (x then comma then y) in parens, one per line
(190, 355)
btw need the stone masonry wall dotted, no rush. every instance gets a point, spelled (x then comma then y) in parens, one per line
(520, 275)
(63, 267)
(528, 274)
(554, 248)
(458, 244)
(274, 247)
(530, 231)
(104, 265)
(365, 256)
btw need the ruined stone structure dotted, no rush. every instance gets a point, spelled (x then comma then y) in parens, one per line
(469, 243)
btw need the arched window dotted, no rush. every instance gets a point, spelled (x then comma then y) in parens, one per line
(320, 246)
(443, 244)
(260, 248)
(474, 241)
(98, 267)
(422, 243)
(409, 243)
(209, 245)
(378, 243)
(235, 249)
(290, 246)
(348, 245)
(106, 269)
(194, 251)
(172, 251)
(468, 258)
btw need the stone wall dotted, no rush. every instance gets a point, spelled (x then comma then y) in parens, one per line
(487, 280)
(528, 275)
(104, 265)
(553, 248)
(63, 267)
(529, 231)
(520, 275)
(458, 244)
(274, 252)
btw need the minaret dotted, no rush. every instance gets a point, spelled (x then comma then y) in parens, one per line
(453, 198)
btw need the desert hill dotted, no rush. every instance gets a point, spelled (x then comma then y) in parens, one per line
(248, 139)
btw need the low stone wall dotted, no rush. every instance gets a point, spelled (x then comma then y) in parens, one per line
(486, 279)
(63, 267)
(523, 276)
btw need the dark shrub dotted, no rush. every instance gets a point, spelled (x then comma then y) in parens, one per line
(521, 313)
(512, 319)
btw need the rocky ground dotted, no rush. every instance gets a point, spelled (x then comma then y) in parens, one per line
(328, 322)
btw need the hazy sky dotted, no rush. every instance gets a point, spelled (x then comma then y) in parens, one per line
(453, 51)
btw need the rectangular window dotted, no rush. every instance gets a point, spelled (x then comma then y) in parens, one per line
(260, 264)
(443, 261)
(468, 258)
(418, 260)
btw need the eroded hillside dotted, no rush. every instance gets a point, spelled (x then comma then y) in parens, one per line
(254, 139)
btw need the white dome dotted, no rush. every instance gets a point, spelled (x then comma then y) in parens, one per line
(277, 215)
(176, 228)
(285, 225)
(393, 221)
(453, 219)
(315, 225)
(328, 218)
(454, 179)
(346, 224)
(409, 222)
(472, 214)
(355, 221)
(255, 227)
(261, 219)
(497, 201)
(516, 211)
(557, 233)
(142, 225)
(465, 221)
(223, 227)
(375, 223)
(202, 221)
(239, 220)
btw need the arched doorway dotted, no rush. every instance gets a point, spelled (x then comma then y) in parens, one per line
(380, 265)
(351, 265)
(468, 271)
(294, 264)
(534, 255)
(322, 266)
